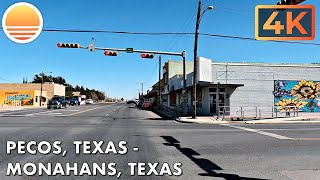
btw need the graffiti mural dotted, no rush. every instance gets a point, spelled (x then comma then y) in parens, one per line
(302, 95)
(8, 97)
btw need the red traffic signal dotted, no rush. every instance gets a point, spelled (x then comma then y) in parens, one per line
(110, 53)
(290, 2)
(150, 56)
(68, 45)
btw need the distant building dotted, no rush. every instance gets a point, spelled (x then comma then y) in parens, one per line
(173, 69)
(29, 93)
(247, 89)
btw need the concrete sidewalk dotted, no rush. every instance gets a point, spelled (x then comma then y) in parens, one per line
(201, 120)
(213, 120)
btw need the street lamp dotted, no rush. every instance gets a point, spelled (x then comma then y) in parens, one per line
(199, 17)
(42, 74)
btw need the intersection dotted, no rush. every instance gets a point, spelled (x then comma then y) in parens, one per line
(233, 151)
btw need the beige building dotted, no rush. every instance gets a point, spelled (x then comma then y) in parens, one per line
(49, 90)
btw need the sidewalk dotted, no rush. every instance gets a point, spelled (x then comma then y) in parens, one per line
(201, 120)
(213, 120)
(21, 108)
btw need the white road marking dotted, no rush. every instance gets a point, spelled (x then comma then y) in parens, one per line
(259, 132)
(136, 149)
(302, 129)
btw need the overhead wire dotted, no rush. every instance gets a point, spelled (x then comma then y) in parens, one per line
(174, 33)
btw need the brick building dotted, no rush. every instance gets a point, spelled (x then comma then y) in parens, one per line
(30, 92)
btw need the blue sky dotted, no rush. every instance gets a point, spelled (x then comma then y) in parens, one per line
(121, 76)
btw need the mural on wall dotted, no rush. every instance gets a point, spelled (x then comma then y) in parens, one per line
(301, 95)
(8, 97)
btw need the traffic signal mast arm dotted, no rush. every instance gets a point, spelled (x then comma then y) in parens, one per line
(137, 51)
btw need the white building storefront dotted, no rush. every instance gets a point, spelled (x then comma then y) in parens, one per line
(249, 89)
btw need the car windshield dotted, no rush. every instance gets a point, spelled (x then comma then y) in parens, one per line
(55, 98)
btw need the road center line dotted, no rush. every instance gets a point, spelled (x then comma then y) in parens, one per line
(259, 132)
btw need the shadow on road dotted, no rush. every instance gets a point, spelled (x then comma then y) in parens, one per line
(208, 166)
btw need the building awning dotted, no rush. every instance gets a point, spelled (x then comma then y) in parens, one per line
(207, 84)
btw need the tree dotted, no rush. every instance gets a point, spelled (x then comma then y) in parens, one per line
(69, 90)
(77, 88)
(82, 91)
(94, 96)
(58, 80)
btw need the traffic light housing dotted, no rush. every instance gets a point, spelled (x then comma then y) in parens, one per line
(68, 45)
(110, 53)
(149, 56)
(290, 2)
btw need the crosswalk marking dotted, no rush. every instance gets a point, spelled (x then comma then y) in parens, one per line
(259, 132)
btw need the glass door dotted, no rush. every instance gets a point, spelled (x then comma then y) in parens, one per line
(214, 104)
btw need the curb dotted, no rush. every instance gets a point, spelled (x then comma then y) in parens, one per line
(184, 122)
(201, 122)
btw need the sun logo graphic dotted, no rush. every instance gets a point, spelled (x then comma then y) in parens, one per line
(22, 23)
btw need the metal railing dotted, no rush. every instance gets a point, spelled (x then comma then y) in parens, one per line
(255, 112)
(14, 105)
(170, 111)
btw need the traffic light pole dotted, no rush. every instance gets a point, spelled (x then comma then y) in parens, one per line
(183, 55)
(92, 48)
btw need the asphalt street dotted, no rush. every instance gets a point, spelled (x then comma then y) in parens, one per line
(232, 151)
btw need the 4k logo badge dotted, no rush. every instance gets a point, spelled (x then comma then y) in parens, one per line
(285, 22)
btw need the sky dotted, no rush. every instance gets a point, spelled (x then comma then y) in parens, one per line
(122, 76)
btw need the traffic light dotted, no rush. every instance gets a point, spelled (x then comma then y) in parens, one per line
(150, 56)
(110, 53)
(290, 2)
(68, 45)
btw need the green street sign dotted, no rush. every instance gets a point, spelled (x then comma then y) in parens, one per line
(129, 50)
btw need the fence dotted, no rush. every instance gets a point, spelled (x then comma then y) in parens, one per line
(254, 112)
(14, 105)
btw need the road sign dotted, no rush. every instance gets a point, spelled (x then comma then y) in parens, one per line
(129, 50)
(91, 48)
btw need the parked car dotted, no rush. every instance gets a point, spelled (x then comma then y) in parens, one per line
(57, 102)
(140, 103)
(89, 101)
(147, 105)
(74, 102)
(68, 100)
(131, 102)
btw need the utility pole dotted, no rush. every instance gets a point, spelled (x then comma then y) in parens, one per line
(184, 93)
(142, 88)
(42, 81)
(41, 88)
(195, 55)
(195, 70)
(159, 97)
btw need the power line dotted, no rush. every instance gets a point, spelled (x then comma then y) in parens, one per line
(174, 33)
(253, 39)
(7, 80)
(188, 21)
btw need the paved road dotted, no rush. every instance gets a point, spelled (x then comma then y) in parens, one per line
(236, 151)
